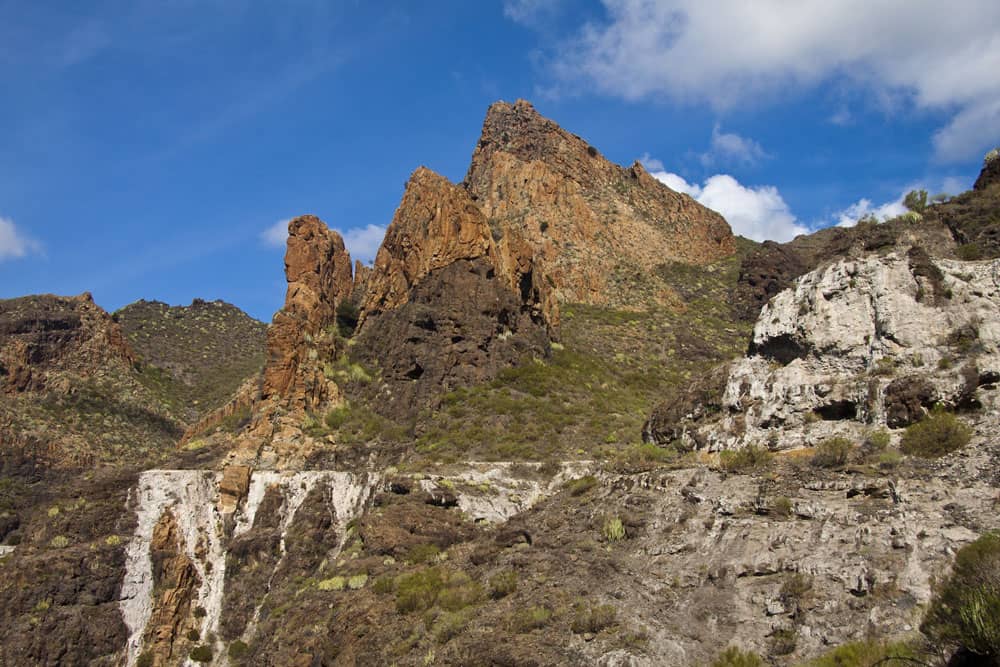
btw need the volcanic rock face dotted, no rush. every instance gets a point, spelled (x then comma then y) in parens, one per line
(445, 304)
(990, 175)
(42, 338)
(318, 270)
(871, 341)
(596, 229)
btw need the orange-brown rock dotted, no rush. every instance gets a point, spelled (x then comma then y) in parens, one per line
(175, 582)
(598, 230)
(437, 224)
(45, 337)
(233, 487)
(318, 270)
(449, 303)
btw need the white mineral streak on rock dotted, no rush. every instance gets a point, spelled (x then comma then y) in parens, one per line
(348, 493)
(5, 550)
(191, 495)
(837, 325)
(494, 492)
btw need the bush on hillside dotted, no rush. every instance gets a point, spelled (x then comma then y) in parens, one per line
(965, 612)
(937, 434)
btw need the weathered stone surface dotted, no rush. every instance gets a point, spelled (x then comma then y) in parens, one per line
(233, 487)
(990, 174)
(907, 400)
(593, 227)
(318, 270)
(829, 348)
(445, 304)
(176, 582)
(44, 337)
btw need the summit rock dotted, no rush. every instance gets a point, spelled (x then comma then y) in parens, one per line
(598, 230)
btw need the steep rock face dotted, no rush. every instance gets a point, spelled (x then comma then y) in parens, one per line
(72, 393)
(990, 174)
(318, 270)
(828, 356)
(445, 304)
(42, 338)
(594, 227)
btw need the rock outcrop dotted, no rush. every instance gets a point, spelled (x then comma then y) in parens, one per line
(318, 270)
(45, 338)
(854, 344)
(990, 174)
(446, 304)
(597, 230)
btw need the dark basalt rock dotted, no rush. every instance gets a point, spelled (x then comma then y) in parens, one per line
(460, 325)
(907, 400)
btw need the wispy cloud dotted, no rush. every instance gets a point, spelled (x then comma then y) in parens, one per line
(730, 148)
(13, 243)
(277, 234)
(733, 53)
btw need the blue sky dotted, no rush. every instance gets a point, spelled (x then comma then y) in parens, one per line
(149, 148)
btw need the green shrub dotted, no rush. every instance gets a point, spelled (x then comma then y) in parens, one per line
(965, 612)
(613, 529)
(832, 452)
(937, 434)
(59, 542)
(460, 592)
(238, 650)
(347, 318)
(867, 653)
(201, 653)
(526, 620)
(503, 584)
(384, 585)
(746, 459)
(734, 657)
(199, 612)
(969, 252)
(915, 200)
(145, 660)
(418, 591)
(193, 635)
(580, 485)
(877, 440)
(889, 459)
(332, 584)
(336, 417)
(783, 641)
(450, 624)
(357, 581)
(422, 553)
(593, 618)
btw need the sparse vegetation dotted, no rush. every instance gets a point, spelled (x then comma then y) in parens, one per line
(832, 452)
(613, 529)
(580, 485)
(868, 653)
(736, 657)
(593, 618)
(965, 611)
(937, 434)
(532, 618)
(238, 650)
(201, 653)
(916, 200)
(503, 584)
(745, 459)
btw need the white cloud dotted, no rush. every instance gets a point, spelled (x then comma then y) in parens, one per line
(730, 53)
(863, 207)
(361, 242)
(758, 213)
(277, 234)
(729, 148)
(14, 244)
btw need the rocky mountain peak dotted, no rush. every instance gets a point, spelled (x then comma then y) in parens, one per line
(990, 174)
(318, 271)
(597, 230)
(436, 224)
